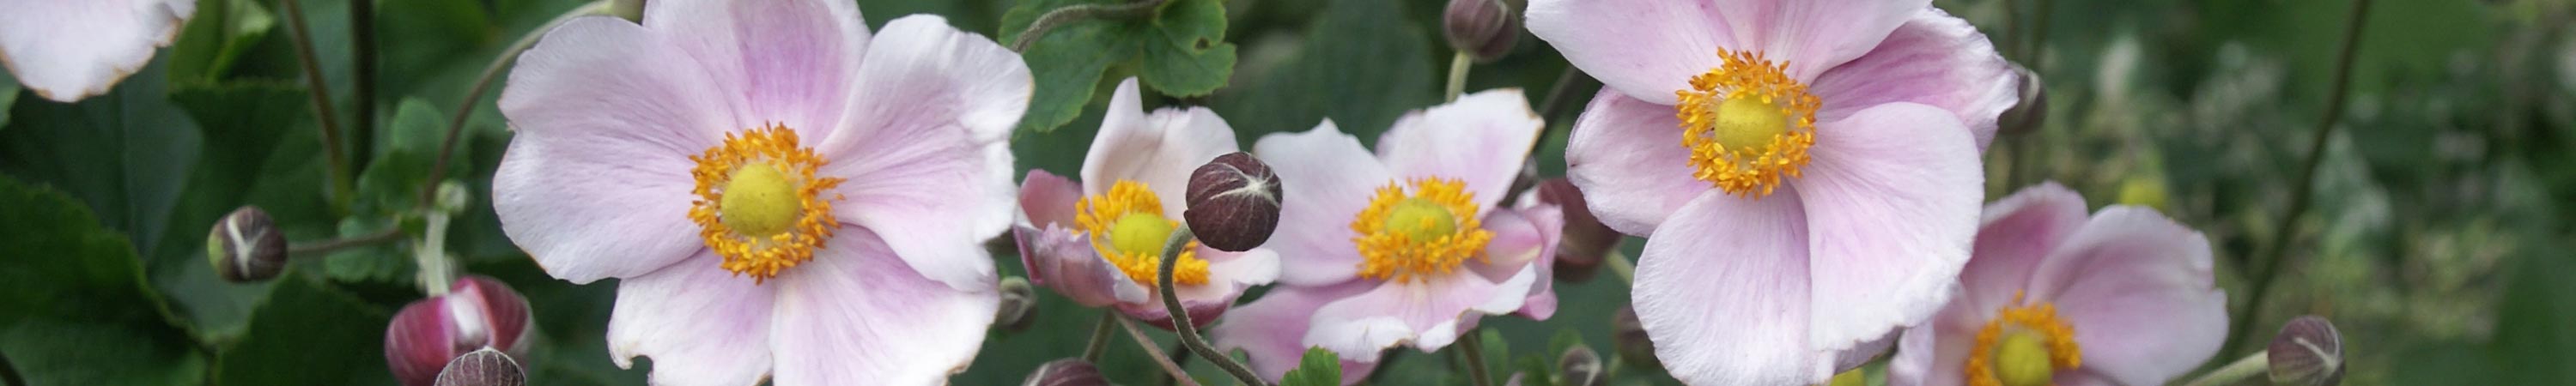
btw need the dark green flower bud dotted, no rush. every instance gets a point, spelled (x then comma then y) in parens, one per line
(1485, 29)
(1233, 202)
(1019, 305)
(246, 246)
(2307, 352)
(485, 367)
(1066, 372)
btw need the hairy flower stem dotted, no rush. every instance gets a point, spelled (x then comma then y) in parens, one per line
(1458, 65)
(1181, 325)
(1100, 337)
(1169, 368)
(483, 82)
(342, 182)
(1471, 347)
(2258, 364)
(1077, 13)
(2299, 196)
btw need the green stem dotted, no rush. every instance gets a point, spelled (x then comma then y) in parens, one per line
(362, 34)
(1169, 368)
(1076, 13)
(1100, 337)
(2299, 196)
(1472, 348)
(483, 82)
(1181, 325)
(341, 180)
(325, 247)
(1458, 65)
(1620, 266)
(2258, 364)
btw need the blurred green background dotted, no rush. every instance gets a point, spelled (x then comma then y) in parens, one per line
(2435, 240)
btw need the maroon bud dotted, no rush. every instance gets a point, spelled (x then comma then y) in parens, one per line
(2307, 352)
(246, 246)
(1066, 372)
(1629, 335)
(1585, 241)
(1019, 307)
(1485, 29)
(477, 313)
(484, 367)
(1579, 367)
(2025, 117)
(1233, 202)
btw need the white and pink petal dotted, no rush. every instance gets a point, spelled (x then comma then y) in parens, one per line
(860, 315)
(1891, 198)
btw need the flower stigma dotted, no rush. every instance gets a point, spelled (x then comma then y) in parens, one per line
(1409, 237)
(1128, 228)
(1746, 124)
(2025, 345)
(759, 205)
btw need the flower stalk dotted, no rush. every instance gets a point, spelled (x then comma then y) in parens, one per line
(342, 186)
(1099, 344)
(1471, 347)
(2278, 249)
(1169, 368)
(1181, 324)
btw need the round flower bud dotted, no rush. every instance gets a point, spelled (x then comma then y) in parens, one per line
(484, 367)
(2307, 352)
(1584, 240)
(478, 313)
(1066, 372)
(1485, 29)
(1233, 202)
(1019, 305)
(246, 246)
(1629, 335)
(2026, 116)
(1579, 367)
(1517, 379)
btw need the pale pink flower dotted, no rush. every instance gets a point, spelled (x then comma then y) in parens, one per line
(1407, 246)
(2124, 297)
(68, 50)
(1806, 171)
(781, 194)
(1100, 242)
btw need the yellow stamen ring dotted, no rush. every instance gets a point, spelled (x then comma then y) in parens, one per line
(2003, 355)
(759, 204)
(1411, 237)
(1128, 228)
(1746, 124)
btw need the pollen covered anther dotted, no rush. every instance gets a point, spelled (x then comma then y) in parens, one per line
(1410, 237)
(759, 203)
(2024, 345)
(1128, 228)
(1747, 124)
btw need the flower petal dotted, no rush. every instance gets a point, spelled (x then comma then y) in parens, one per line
(924, 148)
(1645, 49)
(1892, 197)
(1524, 243)
(1159, 150)
(1272, 330)
(2137, 288)
(1327, 179)
(596, 183)
(701, 324)
(1482, 139)
(1229, 273)
(1627, 157)
(1935, 353)
(790, 62)
(1048, 199)
(1814, 35)
(1062, 259)
(68, 50)
(1934, 59)
(2018, 233)
(1722, 292)
(862, 316)
(1426, 314)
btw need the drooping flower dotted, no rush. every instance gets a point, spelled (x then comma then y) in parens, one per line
(1806, 172)
(479, 313)
(2123, 297)
(1407, 246)
(1101, 242)
(68, 50)
(781, 194)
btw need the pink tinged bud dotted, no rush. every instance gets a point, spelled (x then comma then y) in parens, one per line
(2026, 116)
(1066, 372)
(484, 367)
(1585, 241)
(1233, 202)
(478, 313)
(246, 246)
(2307, 352)
(1485, 29)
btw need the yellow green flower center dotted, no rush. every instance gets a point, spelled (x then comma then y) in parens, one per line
(1128, 229)
(759, 205)
(1747, 124)
(1409, 237)
(2025, 345)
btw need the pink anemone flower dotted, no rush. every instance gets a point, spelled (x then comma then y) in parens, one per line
(1101, 242)
(781, 194)
(1407, 246)
(1806, 172)
(68, 50)
(2123, 297)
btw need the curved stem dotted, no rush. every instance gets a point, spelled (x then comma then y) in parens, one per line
(1076, 13)
(1620, 266)
(483, 82)
(2299, 196)
(325, 247)
(1100, 337)
(362, 35)
(1472, 347)
(1458, 65)
(1169, 368)
(1181, 317)
(320, 90)
(2250, 366)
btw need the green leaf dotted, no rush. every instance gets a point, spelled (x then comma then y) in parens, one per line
(389, 190)
(216, 37)
(74, 309)
(1180, 50)
(1319, 367)
(1191, 57)
(307, 333)
(244, 125)
(1362, 65)
(8, 96)
(125, 154)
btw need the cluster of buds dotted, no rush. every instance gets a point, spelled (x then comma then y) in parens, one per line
(477, 313)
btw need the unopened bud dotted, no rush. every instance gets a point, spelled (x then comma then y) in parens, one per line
(1579, 367)
(1485, 29)
(2026, 116)
(1629, 335)
(484, 367)
(1019, 305)
(1585, 241)
(246, 246)
(1517, 379)
(2307, 352)
(1066, 372)
(477, 313)
(1234, 202)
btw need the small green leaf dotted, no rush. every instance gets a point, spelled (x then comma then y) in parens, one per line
(307, 333)
(74, 309)
(1179, 50)
(245, 125)
(216, 37)
(1319, 367)
(1189, 55)
(1067, 65)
